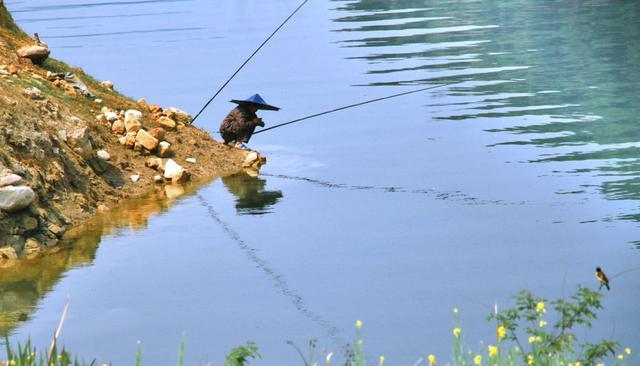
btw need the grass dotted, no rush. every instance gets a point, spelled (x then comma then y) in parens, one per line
(525, 336)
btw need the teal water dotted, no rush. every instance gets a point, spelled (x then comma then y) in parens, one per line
(523, 173)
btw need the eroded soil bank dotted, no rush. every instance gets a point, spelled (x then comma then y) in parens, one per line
(71, 146)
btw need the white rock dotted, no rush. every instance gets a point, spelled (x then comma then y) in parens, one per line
(9, 180)
(14, 198)
(133, 115)
(251, 158)
(33, 93)
(104, 155)
(63, 135)
(190, 160)
(107, 84)
(175, 172)
(135, 178)
(98, 101)
(111, 116)
(164, 149)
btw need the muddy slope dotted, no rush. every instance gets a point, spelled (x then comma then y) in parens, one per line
(68, 152)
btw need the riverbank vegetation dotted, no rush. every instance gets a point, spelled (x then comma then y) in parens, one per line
(533, 332)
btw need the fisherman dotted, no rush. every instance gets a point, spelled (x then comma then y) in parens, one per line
(239, 124)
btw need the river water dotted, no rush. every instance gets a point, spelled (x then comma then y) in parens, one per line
(524, 173)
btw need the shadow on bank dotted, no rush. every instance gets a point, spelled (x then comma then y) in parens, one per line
(23, 283)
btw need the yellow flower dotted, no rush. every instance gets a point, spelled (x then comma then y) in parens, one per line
(627, 350)
(477, 360)
(530, 360)
(542, 323)
(381, 360)
(358, 324)
(432, 360)
(577, 363)
(620, 357)
(457, 331)
(540, 308)
(455, 310)
(600, 364)
(534, 339)
(493, 351)
(501, 332)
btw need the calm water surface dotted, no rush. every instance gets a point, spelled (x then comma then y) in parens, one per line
(524, 173)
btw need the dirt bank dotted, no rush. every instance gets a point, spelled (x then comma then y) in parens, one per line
(71, 146)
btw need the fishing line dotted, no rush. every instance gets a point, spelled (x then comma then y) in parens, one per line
(281, 284)
(456, 196)
(352, 105)
(247, 61)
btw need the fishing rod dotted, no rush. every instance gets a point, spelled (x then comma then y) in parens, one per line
(247, 61)
(351, 106)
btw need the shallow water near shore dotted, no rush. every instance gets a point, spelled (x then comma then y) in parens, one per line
(522, 174)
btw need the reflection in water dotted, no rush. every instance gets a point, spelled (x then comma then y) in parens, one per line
(558, 77)
(252, 198)
(23, 283)
(281, 284)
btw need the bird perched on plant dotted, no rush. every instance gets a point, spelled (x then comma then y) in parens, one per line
(604, 281)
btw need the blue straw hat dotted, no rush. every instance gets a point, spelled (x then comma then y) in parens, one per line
(258, 101)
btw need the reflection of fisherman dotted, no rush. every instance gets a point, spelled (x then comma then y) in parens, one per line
(252, 199)
(239, 124)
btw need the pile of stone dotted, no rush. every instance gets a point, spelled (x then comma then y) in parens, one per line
(128, 125)
(24, 233)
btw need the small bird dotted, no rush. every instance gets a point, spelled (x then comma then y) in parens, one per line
(604, 281)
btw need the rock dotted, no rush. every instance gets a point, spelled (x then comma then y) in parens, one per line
(143, 103)
(158, 133)
(9, 179)
(135, 178)
(122, 140)
(97, 101)
(157, 179)
(164, 149)
(175, 172)
(152, 108)
(111, 116)
(100, 117)
(103, 154)
(14, 198)
(12, 69)
(32, 246)
(130, 139)
(107, 84)
(118, 127)
(250, 159)
(190, 160)
(132, 125)
(37, 54)
(33, 93)
(133, 115)
(173, 191)
(179, 115)
(56, 230)
(8, 253)
(29, 223)
(79, 139)
(63, 135)
(146, 140)
(154, 163)
(167, 123)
